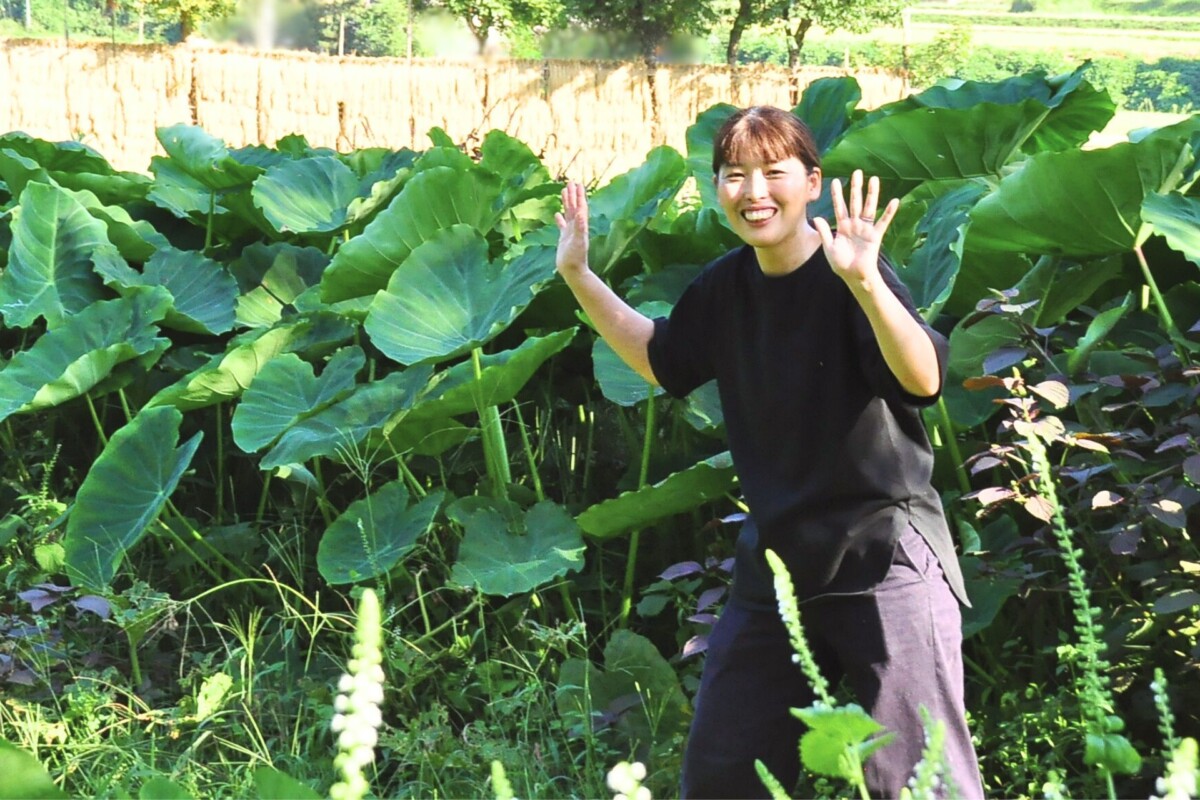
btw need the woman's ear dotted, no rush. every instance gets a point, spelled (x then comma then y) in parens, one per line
(814, 183)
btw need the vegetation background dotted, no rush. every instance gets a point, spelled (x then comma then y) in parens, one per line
(240, 389)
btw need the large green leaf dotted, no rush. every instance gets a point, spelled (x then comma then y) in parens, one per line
(522, 174)
(226, 375)
(49, 273)
(204, 293)
(1177, 219)
(834, 732)
(272, 278)
(619, 211)
(1080, 203)
(57, 156)
(933, 267)
(70, 360)
(699, 139)
(373, 534)
(338, 429)
(638, 694)
(446, 299)
(205, 158)
(508, 551)
(501, 376)
(675, 494)
(936, 143)
(135, 239)
(431, 201)
(286, 390)
(309, 195)
(123, 494)
(826, 107)
(24, 776)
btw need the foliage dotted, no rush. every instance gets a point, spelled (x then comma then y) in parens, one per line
(651, 23)
(378, 384)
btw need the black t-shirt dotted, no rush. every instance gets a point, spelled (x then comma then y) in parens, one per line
(831, 452)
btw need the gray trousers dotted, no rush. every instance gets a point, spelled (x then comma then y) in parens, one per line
(899, 647)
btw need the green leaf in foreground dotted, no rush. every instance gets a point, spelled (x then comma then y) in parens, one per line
(69, 361)
(507, 551)
(123, 494)
(373, 534)
(835, 735)
(308, 195)
(24, 776)
(271, 784)
(675, 494)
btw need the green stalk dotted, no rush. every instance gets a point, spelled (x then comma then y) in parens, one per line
(538, 489)
(262, 499)
(322, 498)
(135, 666)
(96, 420)
(643, 475)
(964, 482)
(495, 452)
(220, 466)
(208, 228)
(1164, 313)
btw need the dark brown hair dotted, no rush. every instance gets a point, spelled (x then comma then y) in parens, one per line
(763, 133)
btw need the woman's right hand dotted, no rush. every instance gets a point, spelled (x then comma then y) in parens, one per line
(572, 256)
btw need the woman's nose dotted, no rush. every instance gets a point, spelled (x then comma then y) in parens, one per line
(756, 184)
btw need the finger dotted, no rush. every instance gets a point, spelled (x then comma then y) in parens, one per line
(871, 203)
(823, 230)
(889, 212)
(839, 202)
(856, 205)
(561, 222)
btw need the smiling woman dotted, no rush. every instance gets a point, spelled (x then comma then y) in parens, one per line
(822, 364)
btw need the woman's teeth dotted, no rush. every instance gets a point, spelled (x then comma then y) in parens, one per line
(758, 215)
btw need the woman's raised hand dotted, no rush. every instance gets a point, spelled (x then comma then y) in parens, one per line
(572, 256)
(853, 251)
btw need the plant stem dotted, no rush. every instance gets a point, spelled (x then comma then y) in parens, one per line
(495, 452)
(643, 475)
(220, 465)
(538, 489)
(96, 420)
(135, 666)
(1164, 313)
(208, 228)
(964, 482)
(262, 499)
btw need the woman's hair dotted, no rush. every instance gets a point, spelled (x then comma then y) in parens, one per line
(763, 133)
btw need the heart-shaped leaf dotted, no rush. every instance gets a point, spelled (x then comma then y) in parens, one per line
(309, 195)
(54, 243)
(71, 360)
(1177, 219)
(446, 298)
(507, 551)
(123, 494)
(272, 278)
(373, 534)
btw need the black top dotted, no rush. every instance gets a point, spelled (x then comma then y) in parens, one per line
(831, 452)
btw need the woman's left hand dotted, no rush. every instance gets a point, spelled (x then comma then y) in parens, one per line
(853, 251)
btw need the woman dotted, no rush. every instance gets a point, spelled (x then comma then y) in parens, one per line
(822, 365)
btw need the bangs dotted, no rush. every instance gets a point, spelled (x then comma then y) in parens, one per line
(766, 135)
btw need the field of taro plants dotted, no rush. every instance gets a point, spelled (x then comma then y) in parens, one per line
(254, 389)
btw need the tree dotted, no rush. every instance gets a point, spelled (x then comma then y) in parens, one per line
(799, 16)
(190, 13)
(649, 22)
(501, 16)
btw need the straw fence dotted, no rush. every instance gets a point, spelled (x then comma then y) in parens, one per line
(591, 119)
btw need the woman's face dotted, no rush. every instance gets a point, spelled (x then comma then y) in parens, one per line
(766, 204)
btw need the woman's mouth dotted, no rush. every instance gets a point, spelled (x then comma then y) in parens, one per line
(758, 214)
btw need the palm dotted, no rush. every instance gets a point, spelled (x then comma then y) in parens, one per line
(572, 224)
(854, 251)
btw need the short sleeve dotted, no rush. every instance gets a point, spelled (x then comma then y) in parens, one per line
(877, 371)
(681, 348)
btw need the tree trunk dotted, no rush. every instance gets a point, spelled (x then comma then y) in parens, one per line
(187, 26)
(796, 41)
(740, 22)
(28, 14)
